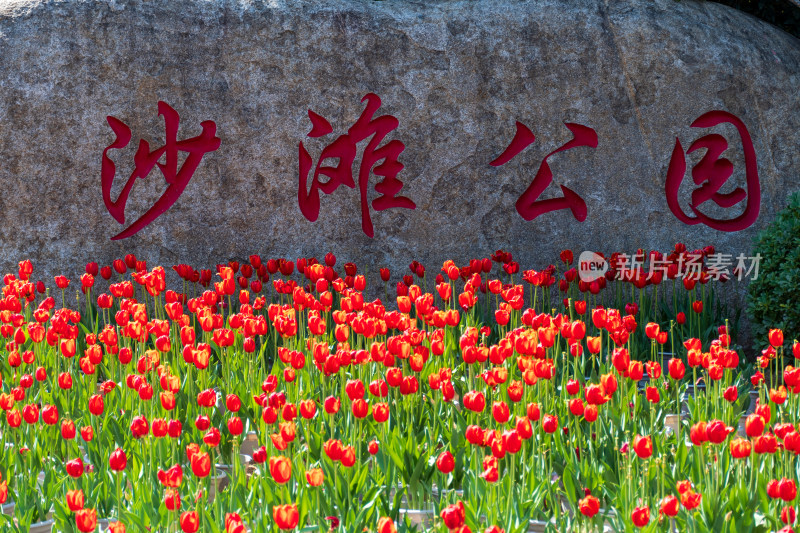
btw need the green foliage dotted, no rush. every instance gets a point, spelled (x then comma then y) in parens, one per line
(774, 297)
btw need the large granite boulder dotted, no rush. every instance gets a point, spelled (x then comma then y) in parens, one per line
(457, 75)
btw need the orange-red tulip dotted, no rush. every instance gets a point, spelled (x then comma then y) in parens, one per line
(281, 468)
(286, 516)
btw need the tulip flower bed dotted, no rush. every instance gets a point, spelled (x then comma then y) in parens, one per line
(277, 395)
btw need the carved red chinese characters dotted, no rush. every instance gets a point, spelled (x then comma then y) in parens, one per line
(711, 173)
(343, 148)
(145, 160)
(528, 205)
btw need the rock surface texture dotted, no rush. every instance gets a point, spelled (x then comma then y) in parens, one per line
(456, 74)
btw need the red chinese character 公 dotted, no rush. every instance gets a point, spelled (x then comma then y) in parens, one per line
(712, 172)
(344, 148)
(528, 205)
(144, 160)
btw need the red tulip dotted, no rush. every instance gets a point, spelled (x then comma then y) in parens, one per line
(315, 477)
(167, 400)
(775, 338)
(332, 405)
(454, 515)
(576, 407)
(652, 330)
(698, 434)
(533, 411)
(139, 426)
(172, 499)
(96, 405)
(550, 423)
(281, 469)
(174, 428)
(212, 437)
(65, 381)
(234, 524)
(445, 462)
(773, 489)
(717, 431)
(190, 522)
(68, 429)
(333, 449)
(386, 525)
(589, 506)
(500, 412)
(515, 390)
(360, 408)
(74, 467)
(87, 433)
(640, 516)
(50, 415)
(75, 500)
(740, 448)
(308, 409)
(201, 464)
(355, 389)
(787, 489)
(778, 395)
(765, 444)
(764, 411)
(676, 369)
(348, 457)
(30, 413)
(116, 527)
(593, 344)
(373, 447)
(652, 395)
(86, 520)
(643, 446)
(731, 394)
(87, 281)
(286, 516)
(669, 505)
(787, 517)
(172, 477)
(573, 387)
(475, 401)
(380, 412)
(653, 370)
(635, 370)
(118, 460)
(599, 317)
(235, 426)
(690, 499)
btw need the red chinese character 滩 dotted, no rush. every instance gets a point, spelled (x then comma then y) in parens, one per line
(711, 172)
(343, 148)
(144, 160)
(528, 205)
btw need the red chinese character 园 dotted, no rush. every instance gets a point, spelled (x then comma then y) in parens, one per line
(712, 172)
(528, 205)
(343, 148)
(144, 160)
